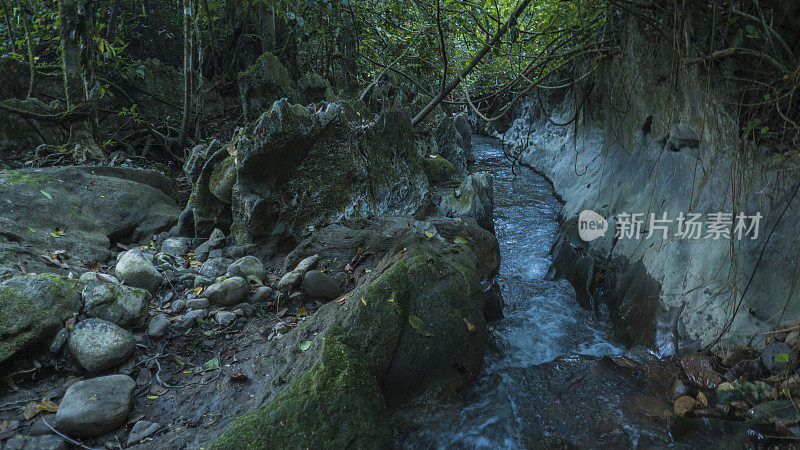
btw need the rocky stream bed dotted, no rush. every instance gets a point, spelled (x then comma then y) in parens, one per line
(385, 328)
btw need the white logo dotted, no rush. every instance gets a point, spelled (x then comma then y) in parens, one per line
(591, 225)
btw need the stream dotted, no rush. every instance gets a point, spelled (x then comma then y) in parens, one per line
(550, 379)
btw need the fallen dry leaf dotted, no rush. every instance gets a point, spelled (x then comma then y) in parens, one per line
(344, 298)
(470, 327)
(33, 409)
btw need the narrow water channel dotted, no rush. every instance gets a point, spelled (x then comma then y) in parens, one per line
(548, 381)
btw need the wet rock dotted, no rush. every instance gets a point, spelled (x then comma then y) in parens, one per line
(776, 356)
(709, 413)
(684, 405)
(95, 407)
(215, 267)
(493, 302)
(44, 442)
(230, 291)
(262, 294)
(746, 370)
(98, 344)
(473, 198)
(249, 266)
(158, 326)
(320, 285)
(678, 389)
(191, 317)
(33, 309)
(731, 356)
(450, 144)
(58, 342)
(699, 368)
(224, 318)
(176, 246)
(740, 390)
(136, 270)
(214, 242)
(777, 409)
(197, 303)
(464, 130)
(123, 305)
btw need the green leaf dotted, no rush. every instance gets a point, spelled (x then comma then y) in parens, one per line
(782, 358)
(460, 240)
(417, 325)
(49, 197)
(212, 364)
(304, 345)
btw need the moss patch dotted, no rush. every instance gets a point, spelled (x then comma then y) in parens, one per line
(13, 177)
(33, 308)
(438, 169)
(335, 404)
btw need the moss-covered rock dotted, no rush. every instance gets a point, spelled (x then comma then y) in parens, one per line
(313, 88)
(414, 323)
(223, 177)
(337, 403)
(300, 167)
(473, 198)
(33, 308)
(95, 207)
(261, 84)
(438, 169)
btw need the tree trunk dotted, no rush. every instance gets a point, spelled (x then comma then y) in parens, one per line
(267, 14)
(11, 40)
(26, 23)
(111, 26)
(81, 135)
(188, 32)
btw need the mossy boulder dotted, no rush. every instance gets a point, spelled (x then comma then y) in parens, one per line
(313, 88)
(261, 84)
(337, 403)
(223, 177)
(88, 210)
(473, 198)
(415, 323)
(449, 142)
(438, 169)
(299, 168)
(33, 308)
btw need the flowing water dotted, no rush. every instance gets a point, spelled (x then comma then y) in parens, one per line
(548, 380)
